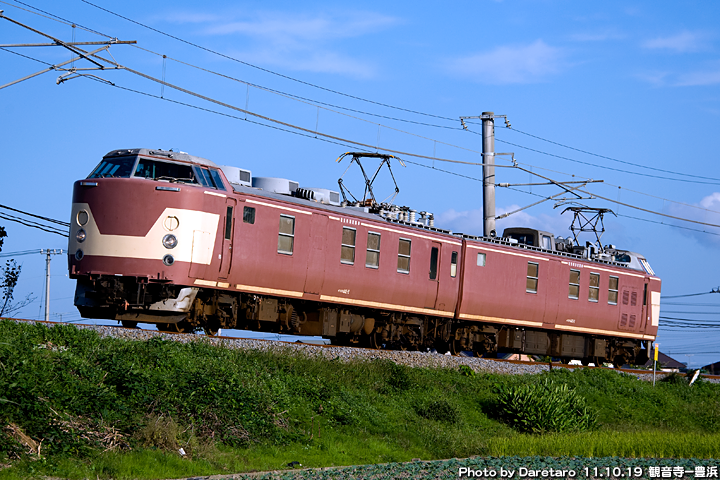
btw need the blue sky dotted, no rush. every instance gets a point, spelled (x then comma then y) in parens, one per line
(635, 84)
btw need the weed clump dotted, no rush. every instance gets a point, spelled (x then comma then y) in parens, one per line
(440, 411)
(545, 407)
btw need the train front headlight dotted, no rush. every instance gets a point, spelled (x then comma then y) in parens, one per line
(80, 236)
(169, 241)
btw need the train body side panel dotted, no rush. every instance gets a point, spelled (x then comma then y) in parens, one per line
(495, 286)
(362, 284)
(258, 265)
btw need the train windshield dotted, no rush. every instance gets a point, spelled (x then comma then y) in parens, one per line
(174, 172)
(119, 167)
(125, 167)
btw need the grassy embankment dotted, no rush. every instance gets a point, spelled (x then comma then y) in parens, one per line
(112, 408)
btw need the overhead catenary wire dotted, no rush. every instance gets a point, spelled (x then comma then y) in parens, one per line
(602, 166)
(693, 294)
(287, 77)
(358, 111)
(355, 143)
(54, 17)
(609, 158)
(47, 219)
(285, 124)
(20, 253)
(403, 109)
(48, 229)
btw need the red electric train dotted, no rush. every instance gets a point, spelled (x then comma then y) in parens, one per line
(175, 240)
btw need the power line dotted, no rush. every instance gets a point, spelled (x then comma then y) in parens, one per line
(280, 92)
(287, 77)
(692, 313)
(609, 158)
(280, 122)
(367, 113)
(32, 225)
(339, 139)
(601, 166)
(608, 184)
(47, 219)
(311, 102)
(667, 224)
(649, 211)
(678, 304)
(694, 294)
(19, 254)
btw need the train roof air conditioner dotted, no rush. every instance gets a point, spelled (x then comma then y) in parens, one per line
(275, 185)
(237, 176)
(322, 195)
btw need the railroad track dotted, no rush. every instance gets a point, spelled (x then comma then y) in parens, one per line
(411, 358)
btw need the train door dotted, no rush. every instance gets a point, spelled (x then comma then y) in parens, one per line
(316, 259)
(227, 229)
(433, 275)
(630, 313)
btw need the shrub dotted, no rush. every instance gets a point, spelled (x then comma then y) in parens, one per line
(467, 371)
(439, 410)
(545, 407)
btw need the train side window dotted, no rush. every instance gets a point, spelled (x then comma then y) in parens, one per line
(531, 285)
(481, 260)
(203, 176)
(404, 256)
(347, 251)
(216, 179)
(613, 290)
(545, 242)
(433, 263)
(249, 215)
(228, 223)
(453, 264)
(372, 259)
(574, 284)
(594, 293)
(286, 236)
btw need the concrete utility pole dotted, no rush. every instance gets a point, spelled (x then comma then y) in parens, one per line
(48, 252)
(488, 149)
(488, 154)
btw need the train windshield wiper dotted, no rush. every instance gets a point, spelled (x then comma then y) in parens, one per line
(176, 180)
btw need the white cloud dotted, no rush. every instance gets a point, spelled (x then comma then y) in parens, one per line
(697, 78)
(290, 29)
(680, 43)
(471, 221)
(510, 64)
(308, 42)
(599, 36)
(707, 210)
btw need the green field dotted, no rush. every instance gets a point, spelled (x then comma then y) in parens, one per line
(110, 408)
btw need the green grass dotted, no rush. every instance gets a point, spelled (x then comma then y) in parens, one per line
(646, 444)
(234, 410)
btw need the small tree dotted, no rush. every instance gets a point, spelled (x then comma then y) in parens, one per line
(9, 276)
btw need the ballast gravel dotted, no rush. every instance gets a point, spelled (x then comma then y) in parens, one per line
(346, 354)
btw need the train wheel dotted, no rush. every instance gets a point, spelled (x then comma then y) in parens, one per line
(129, 324)
(376, 340)
(180, 327)
(211, 329)
(456, 346)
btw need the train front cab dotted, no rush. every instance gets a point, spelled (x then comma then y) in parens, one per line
(144, 226)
